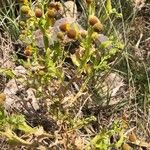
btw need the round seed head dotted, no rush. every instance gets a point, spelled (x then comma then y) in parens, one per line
(25, 9)
(63, 27)
(60, 35)
(72, 34)
(93, 20)
(98, 27)
(38, 13)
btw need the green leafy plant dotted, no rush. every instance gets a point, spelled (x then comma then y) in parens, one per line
(102, 141)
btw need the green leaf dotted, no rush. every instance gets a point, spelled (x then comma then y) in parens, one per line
(109, 8)
(106, 44)
(26, 128)
(75, 60)
(7, 72)
(13, 137)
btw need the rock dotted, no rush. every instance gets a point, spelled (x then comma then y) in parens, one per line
(109, 92)
(17, 95)
(70, 10)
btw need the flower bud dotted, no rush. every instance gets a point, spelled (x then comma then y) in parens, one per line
(25, 9)
(60, 35)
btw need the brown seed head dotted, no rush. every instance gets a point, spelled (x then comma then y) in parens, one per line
(63, 27)
(38, 13)
(93, 20)
(72, 33)
(98, 27)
